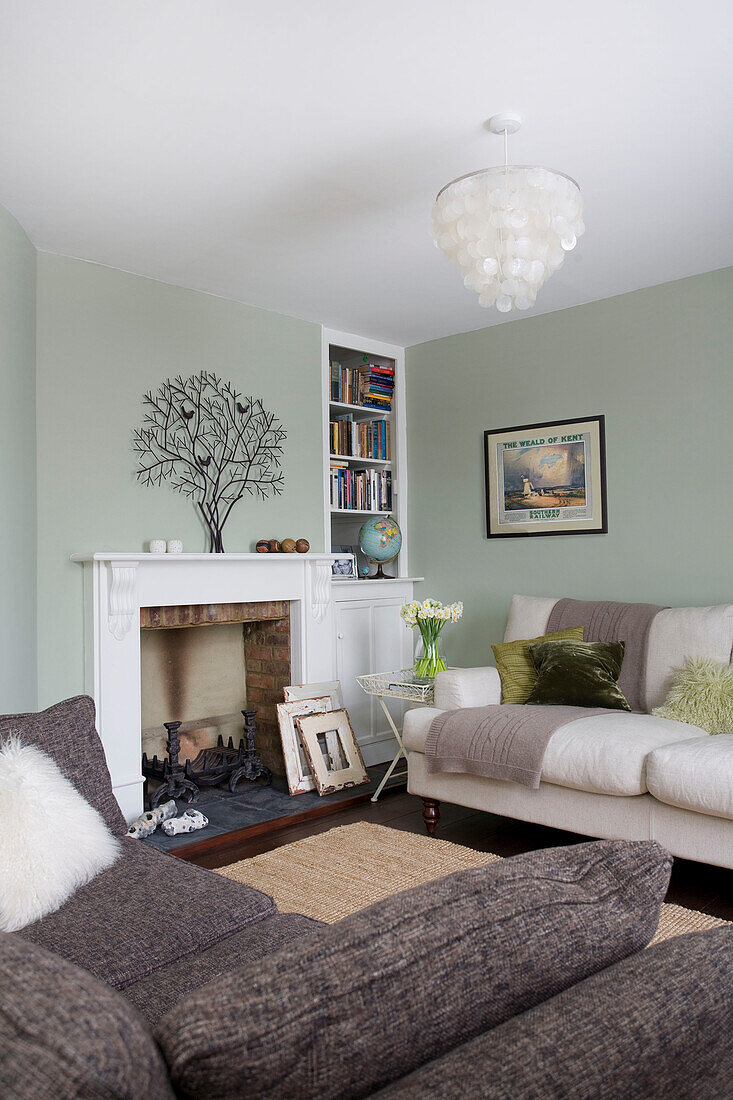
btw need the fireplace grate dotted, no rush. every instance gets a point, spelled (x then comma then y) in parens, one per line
(212, 767)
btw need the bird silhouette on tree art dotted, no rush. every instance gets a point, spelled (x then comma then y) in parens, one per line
(211, 444)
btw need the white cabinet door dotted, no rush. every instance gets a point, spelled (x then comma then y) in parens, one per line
(371, 637)
(354, 630)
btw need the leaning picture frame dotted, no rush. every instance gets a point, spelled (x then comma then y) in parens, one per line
(332, 751)
(546, 479)
(331, 688)
(297, 769)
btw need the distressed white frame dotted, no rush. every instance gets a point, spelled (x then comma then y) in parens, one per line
(297, 770)
(337, 724)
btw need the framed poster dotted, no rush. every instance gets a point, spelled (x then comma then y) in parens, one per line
(546, 479)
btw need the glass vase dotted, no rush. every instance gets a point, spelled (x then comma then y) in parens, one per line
(429, 657)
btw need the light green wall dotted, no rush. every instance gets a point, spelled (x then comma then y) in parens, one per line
(104, 337)
(18, 468)
(659, 364)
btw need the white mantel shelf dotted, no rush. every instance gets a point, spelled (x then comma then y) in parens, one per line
(168, 559)
(376, 580)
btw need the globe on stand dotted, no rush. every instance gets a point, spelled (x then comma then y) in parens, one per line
(380, 540)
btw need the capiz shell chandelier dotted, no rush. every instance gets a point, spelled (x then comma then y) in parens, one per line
(507, 229)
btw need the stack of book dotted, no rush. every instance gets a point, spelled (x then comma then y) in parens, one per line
(369, 385)
(365, 490)
(381, 388)
(360, 439)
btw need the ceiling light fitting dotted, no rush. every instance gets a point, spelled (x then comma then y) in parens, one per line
(507, 229)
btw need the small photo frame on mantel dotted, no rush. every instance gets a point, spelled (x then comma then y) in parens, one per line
(345, 564)
(546, 479)
(332, 751)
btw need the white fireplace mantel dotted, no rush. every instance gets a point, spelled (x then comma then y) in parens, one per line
(116, 586)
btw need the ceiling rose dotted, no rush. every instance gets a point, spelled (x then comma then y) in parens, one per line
(507, 229)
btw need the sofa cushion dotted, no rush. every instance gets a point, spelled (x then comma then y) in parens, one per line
(694, 775)
(578, 674)
(681, 632)
(650, 1028)
(67, 733)
(607, 753)
(65, 1035)
(144, 912)
(516, 667)
(528, 617)
(702, 694)
(409, 978)
(163, 989)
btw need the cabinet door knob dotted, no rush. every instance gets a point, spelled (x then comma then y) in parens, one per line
(339, 636)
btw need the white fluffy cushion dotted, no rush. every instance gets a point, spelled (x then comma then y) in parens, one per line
(51, 840)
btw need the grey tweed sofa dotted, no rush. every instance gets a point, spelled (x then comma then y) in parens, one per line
(526, 978)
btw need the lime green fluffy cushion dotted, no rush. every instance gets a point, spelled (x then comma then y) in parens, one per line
(701, 694)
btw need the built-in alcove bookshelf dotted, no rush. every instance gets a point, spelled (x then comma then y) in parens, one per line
(364, 439)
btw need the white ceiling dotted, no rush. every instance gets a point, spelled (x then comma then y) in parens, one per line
(287, 153)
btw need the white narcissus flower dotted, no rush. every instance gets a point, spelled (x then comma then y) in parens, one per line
(430, 610)
(408, 611)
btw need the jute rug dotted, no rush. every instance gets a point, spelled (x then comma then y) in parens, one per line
(333, 874)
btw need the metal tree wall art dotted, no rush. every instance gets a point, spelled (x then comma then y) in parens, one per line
(210, 443)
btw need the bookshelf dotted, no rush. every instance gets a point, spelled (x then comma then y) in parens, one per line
(366, 453)
(360, 412)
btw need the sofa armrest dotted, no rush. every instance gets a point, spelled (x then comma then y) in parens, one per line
(467, 687)
(650, 1027)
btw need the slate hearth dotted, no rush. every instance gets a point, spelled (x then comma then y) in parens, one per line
(253, 804)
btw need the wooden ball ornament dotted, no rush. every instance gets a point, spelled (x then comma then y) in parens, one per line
(302, 546)
(263, 547)
(274, 546)
(288, 546)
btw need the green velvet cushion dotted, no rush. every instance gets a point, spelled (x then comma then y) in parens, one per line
(578, 674)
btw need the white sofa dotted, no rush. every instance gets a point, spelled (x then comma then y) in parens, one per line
(632, 776)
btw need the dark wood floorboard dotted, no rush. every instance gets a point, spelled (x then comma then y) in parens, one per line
(695, 885)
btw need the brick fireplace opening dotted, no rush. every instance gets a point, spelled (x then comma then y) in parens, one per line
(202, 664)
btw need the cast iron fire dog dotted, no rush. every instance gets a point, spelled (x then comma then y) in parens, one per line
(211, 768)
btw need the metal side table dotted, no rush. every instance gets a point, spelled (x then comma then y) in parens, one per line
(402, 684)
